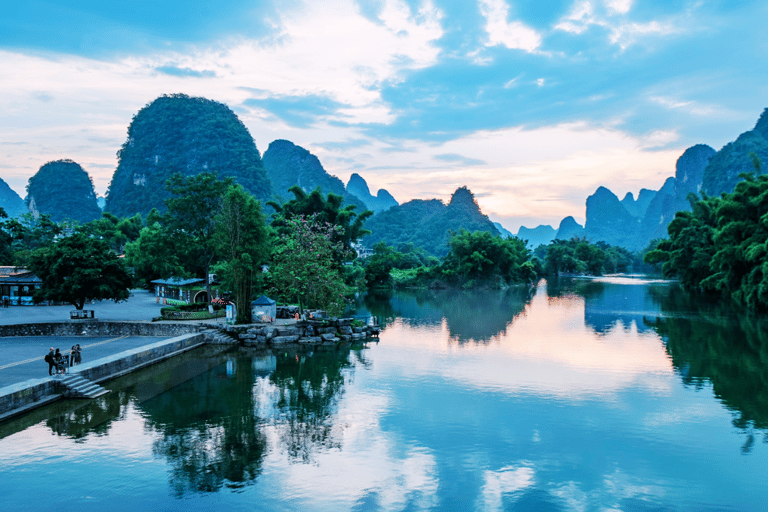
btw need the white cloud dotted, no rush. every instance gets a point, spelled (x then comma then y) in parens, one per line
(619, 6)
(612, 17)
(324, 49)
(514, 35)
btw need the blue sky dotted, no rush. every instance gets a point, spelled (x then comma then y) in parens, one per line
(533, 104)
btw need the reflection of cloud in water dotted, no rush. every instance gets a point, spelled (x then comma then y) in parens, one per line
(506, 481)
(369, 470)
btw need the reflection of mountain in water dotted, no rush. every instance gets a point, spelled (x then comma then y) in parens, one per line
(715, 343)
(607, 303)
(474, 316)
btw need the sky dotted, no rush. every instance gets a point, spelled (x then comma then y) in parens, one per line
(531, 104)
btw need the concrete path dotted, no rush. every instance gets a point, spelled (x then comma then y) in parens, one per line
(140, 306)
(22, 357)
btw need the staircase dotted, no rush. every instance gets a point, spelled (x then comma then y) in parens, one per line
(80, 387)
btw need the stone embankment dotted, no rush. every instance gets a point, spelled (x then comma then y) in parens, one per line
(311, 332)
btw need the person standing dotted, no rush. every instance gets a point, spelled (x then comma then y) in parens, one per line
(49, 360)
(58, 361)
(72, 356)
(78, 359)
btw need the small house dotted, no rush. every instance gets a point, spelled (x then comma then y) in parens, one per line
(186, 290)
(17, 285)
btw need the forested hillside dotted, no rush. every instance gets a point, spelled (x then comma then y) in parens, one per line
(426, 223)
(181, 134)
(63, 190)
(288, 164)
(10, 201)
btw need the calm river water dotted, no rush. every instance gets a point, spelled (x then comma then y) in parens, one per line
(606, 394)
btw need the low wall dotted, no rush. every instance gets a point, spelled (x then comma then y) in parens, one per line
(116, 365)
(81, 327)
(19, 398)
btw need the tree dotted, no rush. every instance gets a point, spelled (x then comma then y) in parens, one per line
(481, 256)
(192, 208)
(241, 234)
(6, 255)
(303, 266)
(156, 253)
(324, 210)
(78, 268)
(29, 233)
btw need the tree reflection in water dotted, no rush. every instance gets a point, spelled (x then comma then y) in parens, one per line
(307, 388)
(710, 341)
(210, 434)
(475, 316)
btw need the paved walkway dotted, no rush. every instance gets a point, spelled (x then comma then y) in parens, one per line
(140, 306)
(23, 355)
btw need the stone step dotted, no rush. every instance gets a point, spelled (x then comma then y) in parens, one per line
(80, 387)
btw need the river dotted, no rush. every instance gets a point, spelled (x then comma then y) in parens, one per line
(617, 393)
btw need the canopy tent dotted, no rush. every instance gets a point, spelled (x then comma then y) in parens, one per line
(263, 309)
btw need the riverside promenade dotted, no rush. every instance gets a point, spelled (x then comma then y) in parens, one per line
(22, 365)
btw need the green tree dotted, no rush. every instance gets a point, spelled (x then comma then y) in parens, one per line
(191, 219)
(77, 268)
(155, 254)
(29, 233)
(6, 254)
(241, 234)
(303, 266)
(482, 256)
(329, 210)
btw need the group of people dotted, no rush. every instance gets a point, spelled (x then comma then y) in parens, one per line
(56, 360)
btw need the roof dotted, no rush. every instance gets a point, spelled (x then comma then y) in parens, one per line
(263, 301)
(21, 278)
(178, 281)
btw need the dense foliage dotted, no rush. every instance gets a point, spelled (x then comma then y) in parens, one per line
(578, 256)
(303, 267)
(324, 210)
(63, 190)
(78, 268)
(428, 223)
(27, 233)
(242, 243)
(721, 246)
(474, 259)
(180, 134)
(480, 256)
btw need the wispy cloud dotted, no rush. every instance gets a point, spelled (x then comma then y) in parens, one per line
(186, 72)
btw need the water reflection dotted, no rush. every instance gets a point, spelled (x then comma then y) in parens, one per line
(208, 431)
(611, 301)
(470, 316)
(722, 346)
(305, 390)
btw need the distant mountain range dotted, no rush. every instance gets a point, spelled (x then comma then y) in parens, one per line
(63, 190)
(178, 133)
(634, 223)
(383, 200)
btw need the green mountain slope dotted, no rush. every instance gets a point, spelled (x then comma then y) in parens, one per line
(63, 190)
(288, 164)
(426, 223)
(178, 133)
